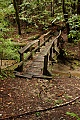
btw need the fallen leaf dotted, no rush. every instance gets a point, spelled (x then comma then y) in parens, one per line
(0, 100)
(9, 94)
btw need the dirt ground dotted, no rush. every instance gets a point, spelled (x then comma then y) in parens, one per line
(35, 99)
(42, 99)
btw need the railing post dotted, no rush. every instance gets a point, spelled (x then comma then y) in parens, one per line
(39, 46)
(53, 48)
(31, 52)
(45, 64)
(58, 39)
(21, 59)
(44, 40)
(50, 57)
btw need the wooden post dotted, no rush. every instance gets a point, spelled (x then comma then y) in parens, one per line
(58, 41)
(39, 46)
(50, 57)
(31, 52)
(44, 40)
(53, 48)
(45, 64)
(21, 59)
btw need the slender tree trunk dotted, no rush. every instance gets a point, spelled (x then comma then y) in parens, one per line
(66, 19)
(63, 7)
(78, 7)
(67, 27)
(52, 8)
(17, 16)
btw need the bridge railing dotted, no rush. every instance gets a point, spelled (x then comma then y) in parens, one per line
(53, 47)
(28, 48)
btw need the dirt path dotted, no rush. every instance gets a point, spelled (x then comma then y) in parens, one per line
(24, 99)
(20, 96)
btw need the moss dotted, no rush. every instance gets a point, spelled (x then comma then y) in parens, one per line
(34, 37)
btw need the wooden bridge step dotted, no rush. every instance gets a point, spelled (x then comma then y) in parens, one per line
(29, 76)
(42, 77)
(36, 63)
(35, 75)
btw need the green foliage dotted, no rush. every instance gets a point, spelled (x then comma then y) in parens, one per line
(73, 115)
(8, 50)
(56, 102)
(35, 12)
(37, 114)
(74, 23)
(69, 6)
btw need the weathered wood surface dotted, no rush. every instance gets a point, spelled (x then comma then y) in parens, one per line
(35, 69)
(39, 66)
(25, 48)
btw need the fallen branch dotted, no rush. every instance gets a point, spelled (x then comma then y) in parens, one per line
(43, 110)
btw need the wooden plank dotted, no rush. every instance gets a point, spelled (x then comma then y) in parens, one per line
(34, 73)
(17, 74)
(40, 62)
(42, 77)
(47, 33)
(39, 59)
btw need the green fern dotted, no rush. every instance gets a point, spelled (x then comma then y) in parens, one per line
(73, 115)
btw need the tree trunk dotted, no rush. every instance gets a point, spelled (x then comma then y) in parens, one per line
(52, 8)
(78, 7)
(67, 26)
(17, 16)
(63, 7)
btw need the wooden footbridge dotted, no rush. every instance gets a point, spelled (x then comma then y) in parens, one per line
(40, 56)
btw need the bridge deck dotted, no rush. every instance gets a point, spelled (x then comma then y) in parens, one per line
(35, 68)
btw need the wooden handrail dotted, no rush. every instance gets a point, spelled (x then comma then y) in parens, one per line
(49, 53)
(25, 48)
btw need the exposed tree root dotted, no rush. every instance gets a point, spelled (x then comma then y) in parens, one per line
(43, 110)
